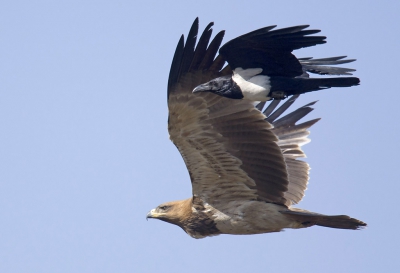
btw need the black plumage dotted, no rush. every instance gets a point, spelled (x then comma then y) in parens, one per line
(270, 50)
(267, 49)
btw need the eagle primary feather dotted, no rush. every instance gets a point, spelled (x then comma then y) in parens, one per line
(243, 164)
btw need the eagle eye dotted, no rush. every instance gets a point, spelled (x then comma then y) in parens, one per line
(164, 207)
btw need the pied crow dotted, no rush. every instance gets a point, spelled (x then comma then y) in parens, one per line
(261, 66)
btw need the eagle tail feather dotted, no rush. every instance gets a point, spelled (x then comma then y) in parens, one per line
(308, 219)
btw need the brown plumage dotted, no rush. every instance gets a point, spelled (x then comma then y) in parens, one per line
(243, 163)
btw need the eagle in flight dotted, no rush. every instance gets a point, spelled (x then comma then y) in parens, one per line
(244, 162)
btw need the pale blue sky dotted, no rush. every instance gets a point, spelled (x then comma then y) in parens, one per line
(85, 154)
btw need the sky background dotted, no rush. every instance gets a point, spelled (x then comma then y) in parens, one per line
(85, 154)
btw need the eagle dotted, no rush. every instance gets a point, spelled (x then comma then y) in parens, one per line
(242, 159)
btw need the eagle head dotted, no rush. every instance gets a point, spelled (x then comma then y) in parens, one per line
(187, 214)
(175, 212)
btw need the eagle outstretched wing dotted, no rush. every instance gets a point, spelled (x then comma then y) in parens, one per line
(230, 150)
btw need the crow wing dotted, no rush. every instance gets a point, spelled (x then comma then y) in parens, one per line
(270, 50)
(323, 66)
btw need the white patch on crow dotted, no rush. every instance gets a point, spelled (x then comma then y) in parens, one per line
(254, 87)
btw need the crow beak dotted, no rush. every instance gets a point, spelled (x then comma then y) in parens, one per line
(202, 88)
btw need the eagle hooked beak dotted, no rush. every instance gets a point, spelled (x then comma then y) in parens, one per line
(152, 214)
(149, 214)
